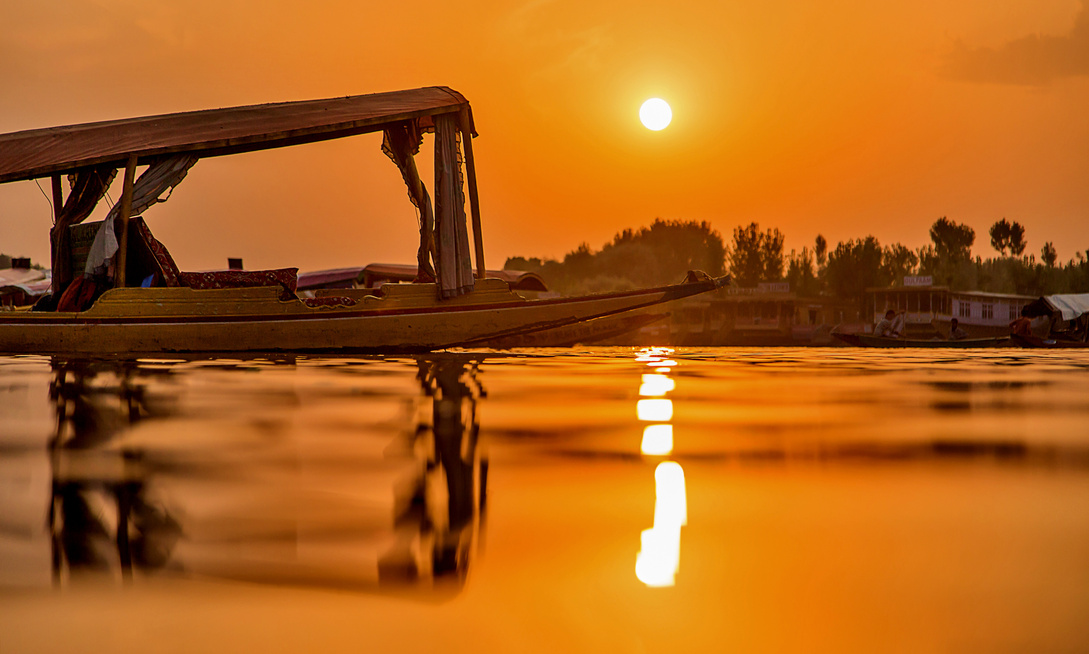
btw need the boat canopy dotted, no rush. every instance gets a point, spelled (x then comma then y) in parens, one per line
(169, 145)
(214, 132)
(1071, 306)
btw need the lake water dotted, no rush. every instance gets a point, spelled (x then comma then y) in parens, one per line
(604, 500)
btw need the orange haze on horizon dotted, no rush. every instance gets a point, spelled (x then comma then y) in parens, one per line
(845, 120)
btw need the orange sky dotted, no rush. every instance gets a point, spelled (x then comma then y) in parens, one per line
(844, 119)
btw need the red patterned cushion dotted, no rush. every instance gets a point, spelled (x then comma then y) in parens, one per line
(158, 250)
(287, 278)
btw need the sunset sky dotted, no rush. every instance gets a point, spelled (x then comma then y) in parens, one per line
(840, 118)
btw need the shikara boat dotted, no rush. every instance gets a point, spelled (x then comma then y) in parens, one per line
(1048, 343)
(869, 340)
(1066, 321)
(116, 288)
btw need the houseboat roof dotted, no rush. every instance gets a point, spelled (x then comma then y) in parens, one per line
(214, 132)
(945, 289)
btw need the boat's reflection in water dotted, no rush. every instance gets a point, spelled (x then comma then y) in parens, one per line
(377, 489)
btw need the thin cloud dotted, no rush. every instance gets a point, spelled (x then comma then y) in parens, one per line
(1033, 60)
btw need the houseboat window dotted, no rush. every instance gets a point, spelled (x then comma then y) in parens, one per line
(1015, 313)
(924, 302)
(812, 316)
(988, 312)
(964, 310)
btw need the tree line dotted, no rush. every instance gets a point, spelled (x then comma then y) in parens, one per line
(650, 256)
(663, 252)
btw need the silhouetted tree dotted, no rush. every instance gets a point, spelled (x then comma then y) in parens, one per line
(800, 274)
(659, 254)
(1000, 236)
(949, 258)
(756, 256)
(820, 249)
(1006, 235)
(1017, 239)
(855, 266)
(897, 262)
(1048, 254)
(952, 242)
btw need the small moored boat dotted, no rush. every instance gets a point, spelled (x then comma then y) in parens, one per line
(869, 340)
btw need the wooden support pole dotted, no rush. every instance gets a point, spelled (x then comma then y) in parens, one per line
(474, 200)
(126, 209)
(58, 198)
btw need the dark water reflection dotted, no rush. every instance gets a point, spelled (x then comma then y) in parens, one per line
(569, 500)
(204, 468)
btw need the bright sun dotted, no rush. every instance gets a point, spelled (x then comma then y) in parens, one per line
(655, 114)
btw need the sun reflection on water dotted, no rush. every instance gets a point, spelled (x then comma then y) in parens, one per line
(656, 385)
(658, 560)
(657, 440)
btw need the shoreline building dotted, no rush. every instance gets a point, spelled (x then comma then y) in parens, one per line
(929, 309)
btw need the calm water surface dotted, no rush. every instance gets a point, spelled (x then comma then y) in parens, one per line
(629, 500)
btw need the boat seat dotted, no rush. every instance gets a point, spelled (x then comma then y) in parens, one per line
(286, 278)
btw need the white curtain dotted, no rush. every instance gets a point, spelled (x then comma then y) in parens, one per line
(162, 175)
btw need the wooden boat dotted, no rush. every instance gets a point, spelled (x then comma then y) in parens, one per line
(1065, 321)
(869, 340)
(1047, 343)
(136, 300)
(376, 275)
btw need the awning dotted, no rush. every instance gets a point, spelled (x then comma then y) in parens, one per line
(215, 132)
(1071, 306)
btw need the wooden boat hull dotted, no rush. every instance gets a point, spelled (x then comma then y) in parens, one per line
(590, 331)
(1048, 343)
(868, 340)
(406, 318)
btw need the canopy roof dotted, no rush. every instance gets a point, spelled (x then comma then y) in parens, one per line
(215, 132)
(1071, 306)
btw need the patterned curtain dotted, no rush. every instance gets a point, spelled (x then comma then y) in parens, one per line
(400, 142)
(454, 266)
(88, 187)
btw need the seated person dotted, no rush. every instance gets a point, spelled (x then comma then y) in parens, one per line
(956, 332)
(1022, 326)
(890, 326)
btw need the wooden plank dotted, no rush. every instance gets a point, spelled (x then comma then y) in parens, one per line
(58, 198)
(126, 209)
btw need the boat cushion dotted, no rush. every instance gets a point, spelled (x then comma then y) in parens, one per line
(283, 277)
(286, 278)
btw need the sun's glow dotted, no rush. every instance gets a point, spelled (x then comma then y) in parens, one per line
(655, 114)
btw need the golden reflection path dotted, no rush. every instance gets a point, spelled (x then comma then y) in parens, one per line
(659, 557)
